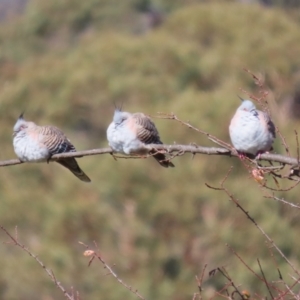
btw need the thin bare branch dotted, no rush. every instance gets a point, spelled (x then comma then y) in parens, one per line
(212, 138)
(199, 282)
(15, 241)
(236, 202)
(283, 141)
(283, 201)
(243, 262)
(93, 254)
(226, 275)
(289, 288)
(297, 142)
(265, 279)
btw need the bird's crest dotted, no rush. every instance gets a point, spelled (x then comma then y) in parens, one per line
(118, 107)
(241, 98)
(22, 116)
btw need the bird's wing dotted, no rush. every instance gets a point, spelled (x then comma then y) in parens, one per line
(146, 130)
(270, 125)
(55, 140)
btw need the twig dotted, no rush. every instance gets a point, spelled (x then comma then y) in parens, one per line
(279, 189)
(257, 80)
(265, 280)
(223, 290)
(283, 141)
(289, 290)
(94, 255)
(50, 273)
(274, 261)
(226, 275)
(292, 286)
(195, 296)
(297, 142)
(236, 202)
(283, 201)
(199, 281)
(212, 138)
(243, 262)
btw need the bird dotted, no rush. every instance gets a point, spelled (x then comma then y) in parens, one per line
(33, 143)
(251, 130)
(131, 133)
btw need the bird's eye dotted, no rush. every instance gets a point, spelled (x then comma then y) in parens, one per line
(22, 127)
(121, 120)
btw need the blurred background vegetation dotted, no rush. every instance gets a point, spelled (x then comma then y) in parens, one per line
(65, 62)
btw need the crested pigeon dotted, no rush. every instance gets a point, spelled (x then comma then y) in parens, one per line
(33, 143)
(130, 133)
(251, 130)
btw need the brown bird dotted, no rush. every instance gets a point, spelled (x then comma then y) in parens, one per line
(131, 133)
(33, 143)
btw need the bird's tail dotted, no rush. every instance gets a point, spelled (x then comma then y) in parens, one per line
(71, 164)
(161, 158)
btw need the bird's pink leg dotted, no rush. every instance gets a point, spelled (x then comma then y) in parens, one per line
(242, 155)
(259, 153)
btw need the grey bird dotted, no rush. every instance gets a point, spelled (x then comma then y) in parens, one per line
(251, 130)
(33, 143)
(131, 133)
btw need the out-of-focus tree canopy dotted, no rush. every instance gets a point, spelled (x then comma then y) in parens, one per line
(65, 63)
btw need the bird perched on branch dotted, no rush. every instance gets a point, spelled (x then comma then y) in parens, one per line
(33, 143)
(131, 133)
(251, 130)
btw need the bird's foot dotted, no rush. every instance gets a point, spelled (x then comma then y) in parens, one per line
(156, 151)
(259, 153)
(242, 155)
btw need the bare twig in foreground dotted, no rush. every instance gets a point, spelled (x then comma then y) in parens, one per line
(93, 254)
(199, 282)
(15, 241)
(247, 214)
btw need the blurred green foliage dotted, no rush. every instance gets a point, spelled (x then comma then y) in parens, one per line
(66, 63)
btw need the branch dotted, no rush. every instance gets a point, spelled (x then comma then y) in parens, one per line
(265, 280)
(238, 205)
(93, 254)
(15, 241)
(179, 149)
(282, 200)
